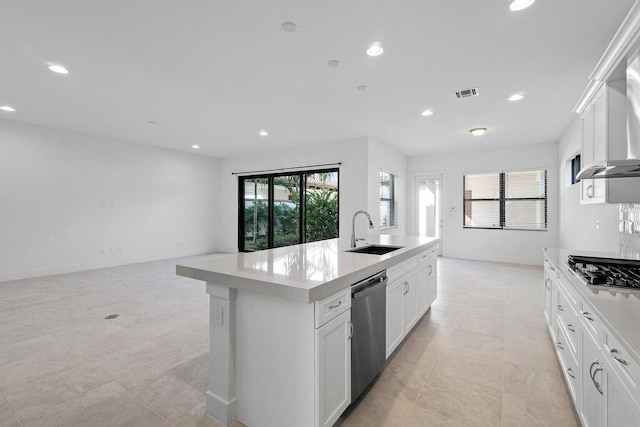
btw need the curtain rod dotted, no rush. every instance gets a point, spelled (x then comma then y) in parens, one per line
(286, 169)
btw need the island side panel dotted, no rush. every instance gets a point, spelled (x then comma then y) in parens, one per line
(275, 357)
(221, 397)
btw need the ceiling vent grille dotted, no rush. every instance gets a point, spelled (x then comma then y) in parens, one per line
(467, 93)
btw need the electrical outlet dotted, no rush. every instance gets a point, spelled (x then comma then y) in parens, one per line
(217, 315)
(102, 251)
(597, 224)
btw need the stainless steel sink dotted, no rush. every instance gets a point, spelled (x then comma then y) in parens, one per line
(375, 249)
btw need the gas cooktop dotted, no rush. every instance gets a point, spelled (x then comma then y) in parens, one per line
(613, 272)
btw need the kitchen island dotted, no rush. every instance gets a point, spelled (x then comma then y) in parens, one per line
(280, 324)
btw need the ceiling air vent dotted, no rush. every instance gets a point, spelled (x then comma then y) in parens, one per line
(466, 93)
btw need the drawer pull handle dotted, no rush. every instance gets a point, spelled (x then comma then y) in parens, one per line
(350, 329)
(592, 374)
(570, 327)
(560, 346)
(406, 288)
(560, 308)
(614, 354)
(570, 373)
(331, 307)
(430, 269)
(586, 315)
(552, 269)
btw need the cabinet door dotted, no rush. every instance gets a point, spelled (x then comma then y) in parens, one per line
(422, 288)
(394, 328)
(591, 398)
(409, 305)
(333, 369)
(548, 291)
(621, 408)
(432, 281)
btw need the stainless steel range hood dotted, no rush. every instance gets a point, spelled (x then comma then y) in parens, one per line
(629, 167)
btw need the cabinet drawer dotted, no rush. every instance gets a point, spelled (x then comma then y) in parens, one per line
(411, 263)
(568, 320)
(553, 271)
(590, 322)
(332, 306)
(568, 362)
(395, 271)
(621, 360)
(569, 291)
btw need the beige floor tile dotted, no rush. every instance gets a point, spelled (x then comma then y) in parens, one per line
(378, 409)
(485, 325)
(538, 387)
(519, 412)
(7, 416)
(34, 370)
(191, 345)
(185, 406)
(20, 333)
(29, 349)
(401, 379)
(423, 345)
(461, 400)
(540, 357)
(486, 371)
(442, 318)
(420, 417)
(482, 345)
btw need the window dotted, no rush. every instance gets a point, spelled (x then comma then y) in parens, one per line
(387, 200)
(506, 200)
(286, 209)
(575, 168)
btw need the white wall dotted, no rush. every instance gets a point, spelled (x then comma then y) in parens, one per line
(381, 157)
(492, 245)
(578, 222)
(361, 160)
(66, 196)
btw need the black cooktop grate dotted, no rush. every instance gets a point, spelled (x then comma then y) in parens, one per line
(614, 272)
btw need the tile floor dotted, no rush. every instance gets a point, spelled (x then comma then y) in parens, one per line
(480, 357)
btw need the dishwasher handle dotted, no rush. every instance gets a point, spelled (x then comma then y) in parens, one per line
(361, 290)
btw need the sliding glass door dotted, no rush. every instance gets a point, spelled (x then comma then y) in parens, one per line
(286, 209)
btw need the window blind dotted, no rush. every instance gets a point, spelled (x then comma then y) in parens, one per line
(506, 200)
(387, 200)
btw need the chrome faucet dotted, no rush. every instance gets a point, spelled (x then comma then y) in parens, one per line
(353, 226)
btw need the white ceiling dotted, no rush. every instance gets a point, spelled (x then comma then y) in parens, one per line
(216, 72)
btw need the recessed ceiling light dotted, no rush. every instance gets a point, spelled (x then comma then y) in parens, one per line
(195, 146)
(516, 97)
(7, 108)
(57, 68)
(363, 88)
(520, 4)
(478, 131)
(427, 113)
(152, 122)
(375, 50)
(333, 63)
(264, 133)
(289, 27)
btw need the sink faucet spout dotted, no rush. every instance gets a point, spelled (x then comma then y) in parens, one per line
(353, 226)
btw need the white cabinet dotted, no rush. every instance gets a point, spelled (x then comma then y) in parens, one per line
(394, 327)
(427, 284)
(409, 305)
(602, 376)
(411, 289)
(591, 399)
(333, 369)
(604, 138)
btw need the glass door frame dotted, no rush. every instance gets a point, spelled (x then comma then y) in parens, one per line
(415, 217)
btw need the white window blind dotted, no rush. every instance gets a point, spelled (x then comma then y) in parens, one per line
(387, 200)
(506, 200)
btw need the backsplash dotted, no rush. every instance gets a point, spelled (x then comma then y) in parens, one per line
(629, 227)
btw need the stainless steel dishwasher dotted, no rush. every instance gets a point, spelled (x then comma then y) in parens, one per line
(368, 316)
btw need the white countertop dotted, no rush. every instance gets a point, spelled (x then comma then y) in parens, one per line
(309, 272)
(618, 308)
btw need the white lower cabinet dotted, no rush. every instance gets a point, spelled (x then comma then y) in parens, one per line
(409, 303)
(601, 376)
(333, 369)
(394, 326)
(411, 290)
